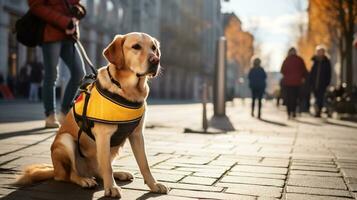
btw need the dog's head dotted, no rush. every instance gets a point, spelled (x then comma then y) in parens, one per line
(138, 52)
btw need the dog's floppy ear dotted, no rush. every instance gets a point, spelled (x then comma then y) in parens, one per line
(157, 43)
(114, 51)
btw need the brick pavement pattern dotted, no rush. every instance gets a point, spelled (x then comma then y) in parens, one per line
(271, 158)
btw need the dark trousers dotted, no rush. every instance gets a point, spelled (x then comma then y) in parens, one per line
(257, 94)
(292, 94)
(319, 96)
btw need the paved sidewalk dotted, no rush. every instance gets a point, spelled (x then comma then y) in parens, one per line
(263, 159)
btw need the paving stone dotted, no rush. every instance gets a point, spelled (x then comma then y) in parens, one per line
(314, 173)
(320, 182)
(164, 177)
(330, 165)
(253, 180)
(292, 196)
(221, 162)
(350, 180)
(198, 180)
(352, 187)
(260, 169)
(208, 175)
(349, 172)
(202, 170)
(209, 195)
(318, 191)
(311, 168)
(266, 198)
(253, 190)
(138, 184)
(261, 175)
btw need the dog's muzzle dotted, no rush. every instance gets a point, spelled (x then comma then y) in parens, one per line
(153, 69)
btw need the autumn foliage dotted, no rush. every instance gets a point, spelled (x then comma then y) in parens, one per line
(331, 22)
(239, 42)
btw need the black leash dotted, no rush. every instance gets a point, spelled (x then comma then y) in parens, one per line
(85, 56)
(85, 82)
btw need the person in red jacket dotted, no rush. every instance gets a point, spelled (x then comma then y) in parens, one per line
(61, 17)
(294, 73)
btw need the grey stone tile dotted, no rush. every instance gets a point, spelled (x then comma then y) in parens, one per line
(260, 169)
(253, 180)
(314, 173)
(260, 175)
(253, 190)
(320, 182)
(198, 180)
(318, 191)
(314, 168)
(293, 196)
(209, 195)
(352, 187)
(207, 175)
(349, 172)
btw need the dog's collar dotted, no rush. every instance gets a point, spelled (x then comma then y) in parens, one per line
(112, 79)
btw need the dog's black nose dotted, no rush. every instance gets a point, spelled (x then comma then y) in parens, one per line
(154, 60)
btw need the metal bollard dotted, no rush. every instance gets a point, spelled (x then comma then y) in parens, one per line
(204, 108)
(220, 79)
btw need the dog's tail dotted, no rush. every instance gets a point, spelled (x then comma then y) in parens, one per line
(35, 173)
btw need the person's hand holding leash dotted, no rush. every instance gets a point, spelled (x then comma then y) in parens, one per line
(72, 27)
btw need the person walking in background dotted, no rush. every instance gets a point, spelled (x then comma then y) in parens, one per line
(294, 72)
(23, 83)
(320, 77)
(257, 84)
(61, 26)
(35, 80)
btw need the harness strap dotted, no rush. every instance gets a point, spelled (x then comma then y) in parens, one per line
(84, 121)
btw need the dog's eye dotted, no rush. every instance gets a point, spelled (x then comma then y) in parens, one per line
(136, 46)
(153, 47)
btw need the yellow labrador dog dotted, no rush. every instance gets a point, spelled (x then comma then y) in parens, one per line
(115, 111)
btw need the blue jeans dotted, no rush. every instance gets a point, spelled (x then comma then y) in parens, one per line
(52, 51)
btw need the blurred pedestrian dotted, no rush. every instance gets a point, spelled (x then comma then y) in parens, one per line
(23, 84)
(294, 73)
(320, 77)
(35, 80)
(281, 94)
(62, 18)
(304, 96)
(257, 83)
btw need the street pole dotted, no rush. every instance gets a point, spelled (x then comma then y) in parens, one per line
(220, 79)
(220, 120)
(204, 107)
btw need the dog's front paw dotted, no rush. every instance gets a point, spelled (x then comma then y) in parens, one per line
(159, 188)
(114, 191)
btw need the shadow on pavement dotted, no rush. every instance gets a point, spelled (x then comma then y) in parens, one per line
(56, 190)
(341, 124)
(307, 122)
(148, 195)
(52, 190)
(273, 122)
(33, 131)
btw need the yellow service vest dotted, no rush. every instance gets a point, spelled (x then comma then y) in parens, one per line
(106, 107)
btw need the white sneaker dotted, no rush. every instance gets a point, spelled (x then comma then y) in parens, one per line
(51, 122)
